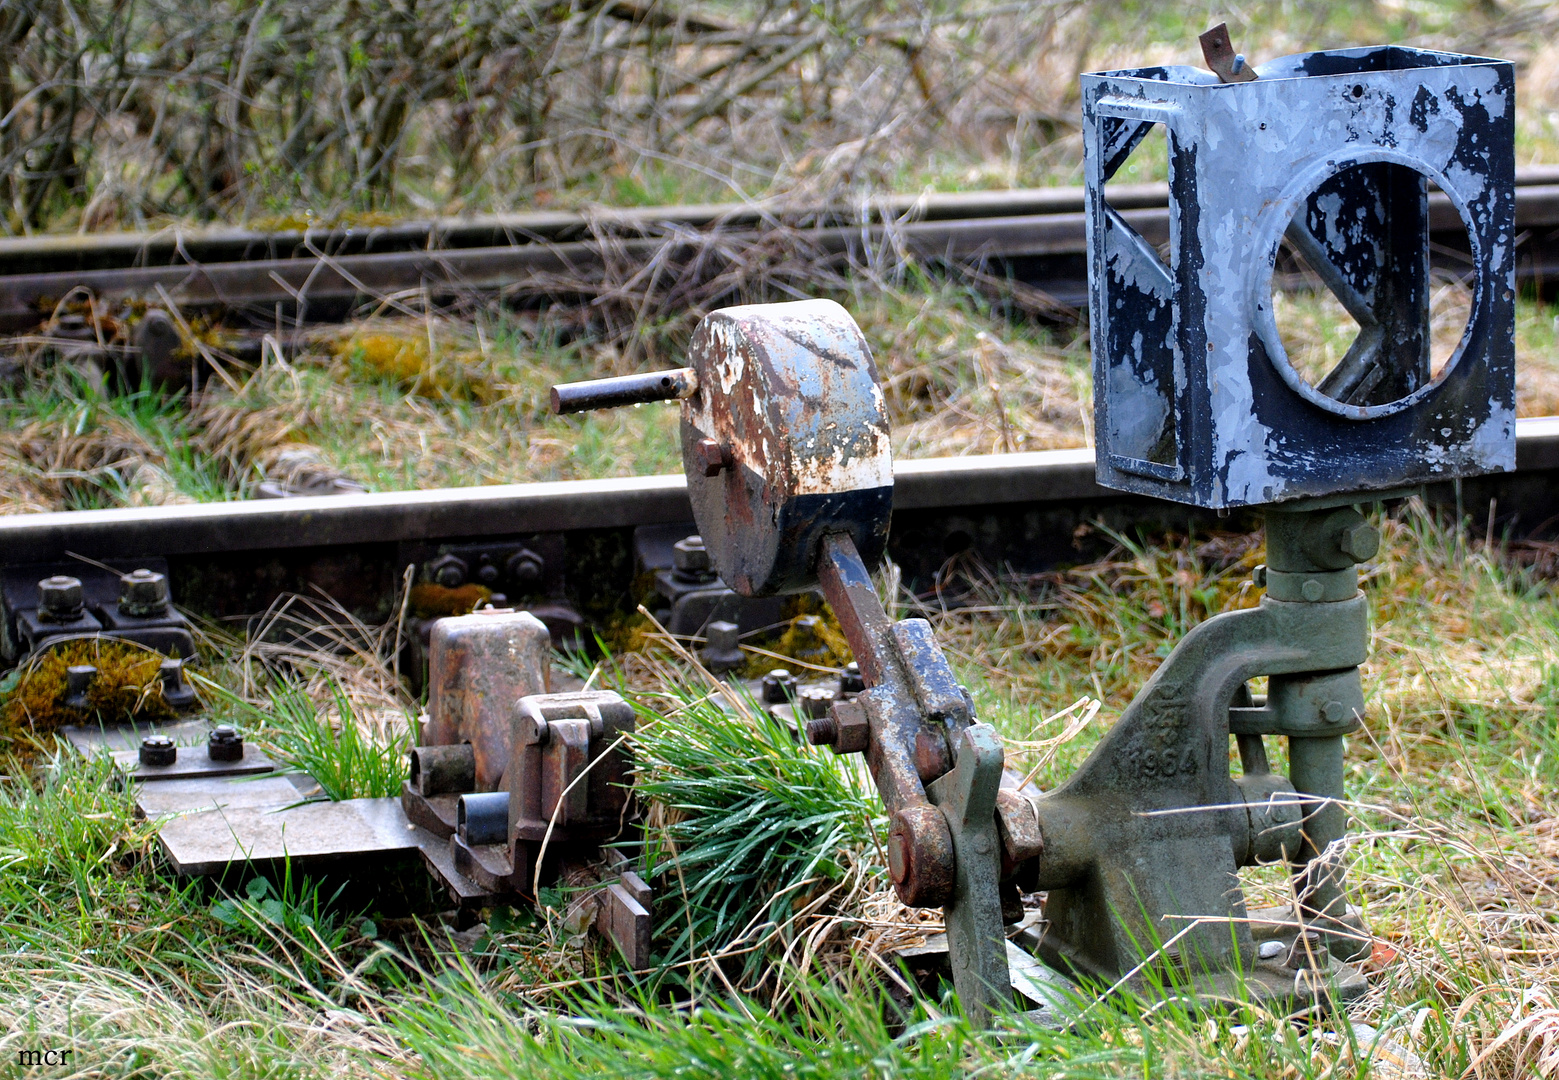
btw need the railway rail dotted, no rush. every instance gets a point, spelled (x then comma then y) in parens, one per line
(1033, 236)
(1027, 512)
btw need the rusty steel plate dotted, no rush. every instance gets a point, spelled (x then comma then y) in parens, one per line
(785, 441)
(199, 842)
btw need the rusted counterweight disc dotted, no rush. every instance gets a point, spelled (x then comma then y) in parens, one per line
(785, 441)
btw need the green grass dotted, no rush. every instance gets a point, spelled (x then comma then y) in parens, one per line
(757, 833)
(328, 740)
(1454, 778)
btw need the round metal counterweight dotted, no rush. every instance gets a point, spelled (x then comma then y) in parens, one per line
(158, 750)
(790, 396)
(225, 744)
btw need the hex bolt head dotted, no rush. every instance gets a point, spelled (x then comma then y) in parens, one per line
(850, 681)
(143, 594)
(688, 556)
(815, 701)
(778, 685)
(60, 598)
(712, 457)
(1258, 576)
(1335, 712)
(1360, 543)
(1312, 590)
(526, 569)
(722, 646)
(449, 571)
(225, 744)
(158, 750)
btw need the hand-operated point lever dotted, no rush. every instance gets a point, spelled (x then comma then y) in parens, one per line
(640, 389)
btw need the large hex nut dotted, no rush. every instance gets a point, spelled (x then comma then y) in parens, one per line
(60, 598)
(143, 594)
(920, 856)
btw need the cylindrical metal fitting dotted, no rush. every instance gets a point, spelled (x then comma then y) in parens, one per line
(143, 594)
(78, 683)
(778, 686)
(60, 599)
(443, 770)
(850, 681)
(225, 744)
(624, 390)
(482, 817)
(158, 750)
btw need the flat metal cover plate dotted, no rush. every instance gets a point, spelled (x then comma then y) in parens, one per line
(209, 841)
(200, 794)
(90, 738)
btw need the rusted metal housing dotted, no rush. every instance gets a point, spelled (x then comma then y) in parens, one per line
(480, 665)
(1196, 399)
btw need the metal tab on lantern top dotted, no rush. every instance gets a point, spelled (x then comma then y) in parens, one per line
(1324, 162)
(785, 441)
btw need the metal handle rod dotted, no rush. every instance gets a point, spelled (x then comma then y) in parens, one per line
(624, 390)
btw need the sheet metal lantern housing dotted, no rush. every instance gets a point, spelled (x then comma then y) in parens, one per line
(1196, 400)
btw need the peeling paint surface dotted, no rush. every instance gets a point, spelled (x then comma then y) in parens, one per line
(790, 393)
(1334, 151)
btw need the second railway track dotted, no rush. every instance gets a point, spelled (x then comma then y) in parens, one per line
(1032, 236)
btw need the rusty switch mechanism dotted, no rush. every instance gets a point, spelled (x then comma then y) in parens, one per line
(790, 397)
(786, 451)
(528, 787)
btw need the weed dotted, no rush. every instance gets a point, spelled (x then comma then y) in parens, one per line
(327, 741)
(751, 830)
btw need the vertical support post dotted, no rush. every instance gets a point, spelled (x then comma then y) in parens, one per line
(1313, 555)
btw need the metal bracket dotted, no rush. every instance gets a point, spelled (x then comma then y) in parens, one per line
(975, 940)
